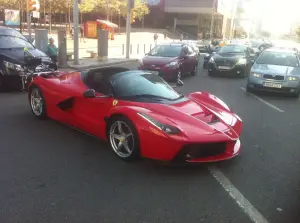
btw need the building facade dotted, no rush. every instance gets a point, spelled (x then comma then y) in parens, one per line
(196, 16)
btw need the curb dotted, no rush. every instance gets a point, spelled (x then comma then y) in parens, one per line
(108, 64)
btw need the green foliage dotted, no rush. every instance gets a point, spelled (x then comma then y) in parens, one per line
(87, 6)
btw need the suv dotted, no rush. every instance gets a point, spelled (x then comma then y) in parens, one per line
(12, 45)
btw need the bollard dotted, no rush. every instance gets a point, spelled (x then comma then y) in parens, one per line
(123, 49)
(62, 48)
(102, 44)
(144, 48)
(41, 39)
(138, 49)
(130, 48)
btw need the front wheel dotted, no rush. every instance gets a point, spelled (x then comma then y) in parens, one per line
(123, 139)
(37, 103)
(194, 72)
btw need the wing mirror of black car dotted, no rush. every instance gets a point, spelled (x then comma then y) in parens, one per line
(89, 93)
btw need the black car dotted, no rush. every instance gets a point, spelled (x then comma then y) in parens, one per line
(13, 49)
(231, 60)
(210, 50)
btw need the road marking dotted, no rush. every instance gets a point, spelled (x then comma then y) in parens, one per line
(234, 193)
(263, 101)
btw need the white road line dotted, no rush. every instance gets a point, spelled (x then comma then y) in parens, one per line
(263, 101)
(244, 204)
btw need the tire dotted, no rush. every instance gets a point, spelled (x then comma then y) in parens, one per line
(297, 94)
(117, 139)
(37, 103)
(1, 83)
(248, 89)
(194, 72)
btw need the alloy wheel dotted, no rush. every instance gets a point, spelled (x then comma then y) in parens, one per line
(36, 102)
(121, 139)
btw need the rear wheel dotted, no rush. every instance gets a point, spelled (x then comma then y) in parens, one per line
(37, 103)
(123, 139)
(1, 83)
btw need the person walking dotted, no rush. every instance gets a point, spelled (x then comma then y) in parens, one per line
(82, 34)
(52, 52)
(155, 38)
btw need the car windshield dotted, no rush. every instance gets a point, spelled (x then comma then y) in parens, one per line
(12, 42)
(233, 49)
(278, 58)
(147, 84)
(165, 51)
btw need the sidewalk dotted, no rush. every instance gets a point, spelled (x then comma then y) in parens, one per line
(94, 63)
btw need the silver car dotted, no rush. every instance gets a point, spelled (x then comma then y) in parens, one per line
(276, 70)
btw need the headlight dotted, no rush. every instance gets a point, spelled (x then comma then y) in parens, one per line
(172, 64)
(12, 66)
(163, 127)
(293, 78)
(211, 60)
(256, 75)
(242, 61)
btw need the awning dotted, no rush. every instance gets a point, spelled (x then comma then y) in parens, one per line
(107, 23)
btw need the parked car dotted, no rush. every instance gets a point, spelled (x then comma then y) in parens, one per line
(231, 60)
(139, 114)
(171, 61)
(12, 45)
(210, 52)
(276, 70)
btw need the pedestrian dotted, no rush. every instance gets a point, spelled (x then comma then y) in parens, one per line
(181, 37)
(71, 33)
(82, 34)
(165, 36)
(155, 38)
(52, 52)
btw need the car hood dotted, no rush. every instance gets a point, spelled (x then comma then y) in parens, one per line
(228, 57)
(150, 60)
(195, 118)
(17, 55)
(275, 69)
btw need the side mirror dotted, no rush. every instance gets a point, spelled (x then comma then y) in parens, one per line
(89, 93)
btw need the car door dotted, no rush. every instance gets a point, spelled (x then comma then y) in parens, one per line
(183, 58)
(90, 113)
(191, 59)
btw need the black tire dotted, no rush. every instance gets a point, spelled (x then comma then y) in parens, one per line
(134, 141)
(42, 114)
(248, 89)
(1, 83)
(297, 94)
(194, 72)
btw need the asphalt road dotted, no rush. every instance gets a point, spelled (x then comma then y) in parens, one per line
(50, 173)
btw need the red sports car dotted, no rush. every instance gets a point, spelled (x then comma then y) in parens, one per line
(139, 114)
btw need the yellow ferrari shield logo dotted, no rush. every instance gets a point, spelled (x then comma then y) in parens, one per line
(115, 102)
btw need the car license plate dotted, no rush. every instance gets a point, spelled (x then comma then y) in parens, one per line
(272, 85)
(224, 67)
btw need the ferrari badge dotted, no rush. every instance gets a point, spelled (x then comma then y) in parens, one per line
(115, 102)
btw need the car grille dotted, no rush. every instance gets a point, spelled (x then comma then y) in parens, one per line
(273, 77)
(194, 151)
(225, 63)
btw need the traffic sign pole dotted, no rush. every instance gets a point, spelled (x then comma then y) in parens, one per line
(75, 25)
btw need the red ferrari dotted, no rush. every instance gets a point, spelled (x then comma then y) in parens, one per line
(139, 114)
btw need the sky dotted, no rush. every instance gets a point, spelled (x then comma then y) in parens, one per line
(278, 15)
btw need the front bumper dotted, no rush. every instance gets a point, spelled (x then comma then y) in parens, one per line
(256, 83)
(157, 147)
(236, 70)
(167, 73)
